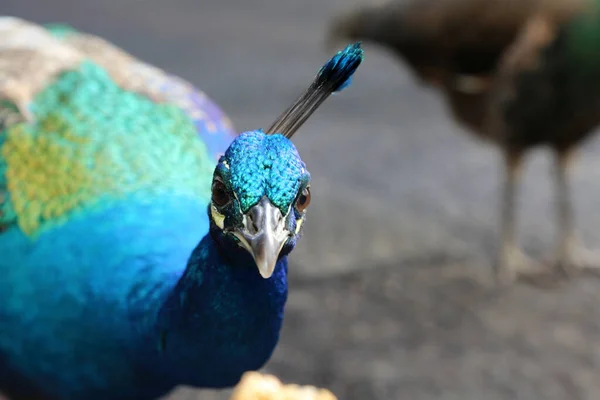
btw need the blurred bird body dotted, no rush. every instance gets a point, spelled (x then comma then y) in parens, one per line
(518, 73)
(122, 272)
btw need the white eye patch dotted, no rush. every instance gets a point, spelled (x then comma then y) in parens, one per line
(217, 217)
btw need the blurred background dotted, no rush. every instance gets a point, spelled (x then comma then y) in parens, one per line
(388, 296)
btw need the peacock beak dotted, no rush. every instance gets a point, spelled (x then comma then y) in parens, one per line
(264, 235)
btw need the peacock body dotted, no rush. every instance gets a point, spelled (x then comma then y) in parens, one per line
(517, 73)
(143, 245)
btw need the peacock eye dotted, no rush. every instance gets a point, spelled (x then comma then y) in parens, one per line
(303, 200)
(220, 197)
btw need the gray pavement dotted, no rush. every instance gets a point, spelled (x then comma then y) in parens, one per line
(388, 286)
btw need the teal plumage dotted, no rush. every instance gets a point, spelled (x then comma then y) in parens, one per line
(143, 244)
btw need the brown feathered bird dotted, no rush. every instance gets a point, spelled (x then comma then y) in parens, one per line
(519, 73)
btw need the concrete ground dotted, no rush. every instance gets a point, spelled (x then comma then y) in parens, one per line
(388, 286)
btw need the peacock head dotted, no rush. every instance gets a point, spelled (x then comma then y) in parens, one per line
(261, 187)
(260, 193)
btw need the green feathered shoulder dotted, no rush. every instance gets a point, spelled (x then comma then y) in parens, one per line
(92, 125)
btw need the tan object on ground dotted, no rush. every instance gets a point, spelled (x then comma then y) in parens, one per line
(256, 386)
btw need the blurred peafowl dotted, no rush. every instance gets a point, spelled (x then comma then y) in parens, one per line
(519, 73)
(130, 263)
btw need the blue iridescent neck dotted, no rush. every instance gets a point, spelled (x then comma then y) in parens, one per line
(222, 318)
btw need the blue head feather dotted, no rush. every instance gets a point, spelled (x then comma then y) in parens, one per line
(341, 67)
(263, 165)
(334, 76)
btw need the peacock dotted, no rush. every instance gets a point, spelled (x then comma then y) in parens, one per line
(143, 244)
(516, 73)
